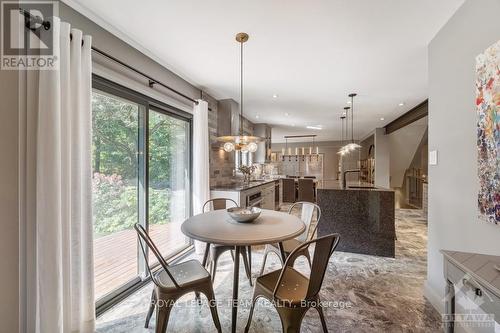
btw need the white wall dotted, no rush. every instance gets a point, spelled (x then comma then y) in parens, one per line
(403, 145)
(453, 188)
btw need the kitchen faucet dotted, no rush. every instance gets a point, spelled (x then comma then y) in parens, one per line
(344, 179)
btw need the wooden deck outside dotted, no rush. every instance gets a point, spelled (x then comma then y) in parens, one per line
(115, 255)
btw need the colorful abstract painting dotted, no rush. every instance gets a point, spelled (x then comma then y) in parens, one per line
(488, 133)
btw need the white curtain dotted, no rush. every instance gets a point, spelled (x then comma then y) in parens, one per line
(201, 173)
(64, 235)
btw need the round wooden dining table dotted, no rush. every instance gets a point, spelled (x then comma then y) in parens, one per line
(217, 227)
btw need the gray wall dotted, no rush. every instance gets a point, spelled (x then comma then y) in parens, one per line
(453, 183)
(382, 159)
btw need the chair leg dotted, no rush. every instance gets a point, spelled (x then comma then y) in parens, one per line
(322, 318)
(266, 252)
(212, 304)
(247, 268)
(291, 318)
(250, 314)
(249, 249)
(214, 267)
(162, 315)
(151, 308)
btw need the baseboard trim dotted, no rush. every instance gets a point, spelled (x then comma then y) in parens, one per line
(434, 297)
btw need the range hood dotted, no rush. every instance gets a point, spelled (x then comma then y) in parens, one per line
(228, 117)
(228, 122)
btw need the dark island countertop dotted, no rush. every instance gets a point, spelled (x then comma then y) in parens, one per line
(364, 217)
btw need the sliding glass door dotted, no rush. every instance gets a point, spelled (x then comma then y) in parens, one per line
(168, 181)
(115, 190)
(141, 153)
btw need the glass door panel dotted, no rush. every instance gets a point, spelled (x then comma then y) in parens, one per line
(115, 159)
(168, 176)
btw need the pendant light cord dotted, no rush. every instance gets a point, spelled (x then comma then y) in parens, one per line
(352, 118)
(241, 88)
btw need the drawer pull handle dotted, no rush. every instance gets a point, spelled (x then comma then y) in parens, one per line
(471, 285)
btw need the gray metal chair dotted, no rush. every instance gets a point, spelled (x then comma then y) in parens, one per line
(307, 213)
(306, 190)
(174, 281)
(216, 250)
(292, 293)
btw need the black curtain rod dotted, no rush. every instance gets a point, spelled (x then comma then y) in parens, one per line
(151, 81)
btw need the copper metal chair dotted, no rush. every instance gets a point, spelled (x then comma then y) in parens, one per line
(292, 293)
(174, 281)
(307, 213)
(306, 190)
(216, 250)
(288, 186)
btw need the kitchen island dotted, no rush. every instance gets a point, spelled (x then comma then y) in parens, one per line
(362, 215)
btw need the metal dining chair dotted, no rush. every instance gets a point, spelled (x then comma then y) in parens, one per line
(214, 251)
(174, 281)
(292, 293)
(307, 213)
(306, 190)
(288, 186)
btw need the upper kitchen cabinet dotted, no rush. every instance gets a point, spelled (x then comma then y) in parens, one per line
(263, 154)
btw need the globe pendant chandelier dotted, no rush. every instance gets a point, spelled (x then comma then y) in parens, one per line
(243, 143)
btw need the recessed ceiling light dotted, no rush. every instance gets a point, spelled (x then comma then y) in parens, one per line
(257, 116)
(276, 96)
(293, 125)
(318, 127)
(287, 114)
(401, 104)
(348, 102)
(382, 118)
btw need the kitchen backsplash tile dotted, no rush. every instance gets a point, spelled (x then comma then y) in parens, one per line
(221, 162)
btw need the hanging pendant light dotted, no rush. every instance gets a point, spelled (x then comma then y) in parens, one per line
(243, 143)
(352, 145)
(342, 151)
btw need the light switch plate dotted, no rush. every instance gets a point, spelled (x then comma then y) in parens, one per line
(433, 157)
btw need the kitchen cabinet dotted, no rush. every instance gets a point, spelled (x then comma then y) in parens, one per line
(268, 196)
(259, 195)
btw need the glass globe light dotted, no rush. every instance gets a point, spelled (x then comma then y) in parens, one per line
(252, 147)
(228, 147)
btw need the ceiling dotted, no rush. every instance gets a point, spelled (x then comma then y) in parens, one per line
(312, 54)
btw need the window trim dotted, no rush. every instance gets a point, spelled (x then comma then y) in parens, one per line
(145, 104)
